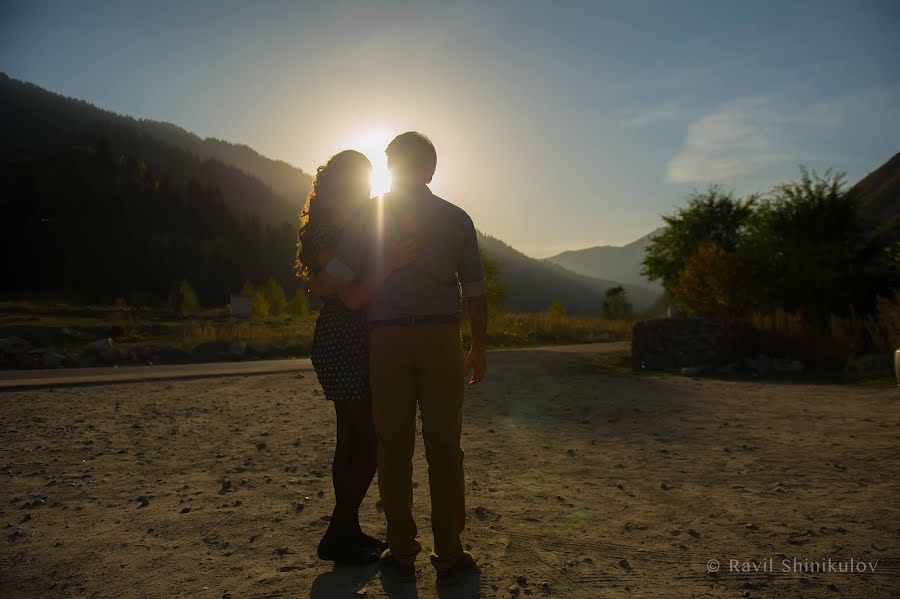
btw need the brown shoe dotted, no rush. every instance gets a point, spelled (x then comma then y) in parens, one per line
(452, 575)
(398, 571)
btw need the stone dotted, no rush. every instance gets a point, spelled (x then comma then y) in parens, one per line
(727, 368)
(169, 355)
(671, 344)
(86, 360)
(98, 346)
(522, 581)
(51, 359)
(692, 371)
(211, 351)
(13, 345)
(623, 563)
(260, 350)
(869, 365)
(760, 365)
(109, 357)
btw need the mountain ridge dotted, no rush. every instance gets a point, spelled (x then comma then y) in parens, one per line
(42, 123)
(37, 121)
(617, 263)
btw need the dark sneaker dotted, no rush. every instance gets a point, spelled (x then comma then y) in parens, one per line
(452, 575)
(346, 551)
(373, 543)
(399, 571)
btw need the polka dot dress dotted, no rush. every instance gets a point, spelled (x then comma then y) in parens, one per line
(340, 349)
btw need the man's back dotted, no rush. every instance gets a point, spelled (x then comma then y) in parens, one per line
(448, 261)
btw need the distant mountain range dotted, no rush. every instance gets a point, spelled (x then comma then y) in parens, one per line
(531, 284)
(36, 122)
(44, 132)
(880, 193)
(616, 263)
(45, 127)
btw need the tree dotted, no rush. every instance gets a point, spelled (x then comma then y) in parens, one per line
(275, 296)
(807, 250)
(260, 305)
(298, 306)
(556, 310)
(495, 290)
(615, 304)
(182, 299)
(711, 216)
(710, 284)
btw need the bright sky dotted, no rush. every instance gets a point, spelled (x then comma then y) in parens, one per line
(558, 125)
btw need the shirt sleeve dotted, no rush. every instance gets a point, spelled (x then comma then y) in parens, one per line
(347, 261)
(470, 270)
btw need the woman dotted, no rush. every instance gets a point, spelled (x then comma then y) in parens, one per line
(340, 350)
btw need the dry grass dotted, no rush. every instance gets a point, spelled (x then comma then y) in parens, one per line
(69, 326)
(837, 342)
(516, 330)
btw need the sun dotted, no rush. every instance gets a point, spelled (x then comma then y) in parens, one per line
(372, 144)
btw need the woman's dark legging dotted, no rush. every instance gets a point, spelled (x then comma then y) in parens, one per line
(355, 462)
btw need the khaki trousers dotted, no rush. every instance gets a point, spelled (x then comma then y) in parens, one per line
(409, 367)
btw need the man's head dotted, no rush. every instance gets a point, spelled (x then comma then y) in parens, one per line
(411, 159)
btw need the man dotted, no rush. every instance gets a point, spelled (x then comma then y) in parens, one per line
(416, 355)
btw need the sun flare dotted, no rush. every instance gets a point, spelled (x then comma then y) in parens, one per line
(372, 144)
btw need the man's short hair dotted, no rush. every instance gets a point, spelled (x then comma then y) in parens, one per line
(413, 154)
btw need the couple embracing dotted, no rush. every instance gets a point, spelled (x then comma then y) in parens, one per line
(394, 275)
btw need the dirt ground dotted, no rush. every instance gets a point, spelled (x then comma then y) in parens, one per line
(598, 485)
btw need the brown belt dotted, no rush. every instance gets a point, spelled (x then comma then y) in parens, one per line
(414, 321)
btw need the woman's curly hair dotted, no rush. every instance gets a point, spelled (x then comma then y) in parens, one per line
(332, 188)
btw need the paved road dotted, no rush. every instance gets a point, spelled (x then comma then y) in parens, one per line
(62, 377)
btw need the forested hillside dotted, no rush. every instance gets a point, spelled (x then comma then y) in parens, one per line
(99, 206)
(89, 225)
(531, 285)
(617, 263)
(37, 122)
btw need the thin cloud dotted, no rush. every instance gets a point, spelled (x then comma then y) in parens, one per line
(665, 112)
(734, 140)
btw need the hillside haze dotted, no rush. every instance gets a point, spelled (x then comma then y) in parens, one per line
(37, 122)
(616, 263)
(102, 205)
(531, 285)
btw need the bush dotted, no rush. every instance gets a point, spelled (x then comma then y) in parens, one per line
(261, 307)
(275, 296)
(556, 310)
(182, 299)
(298, 306)
(615, 304)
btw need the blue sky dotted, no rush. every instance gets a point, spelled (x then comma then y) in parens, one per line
(558, 124)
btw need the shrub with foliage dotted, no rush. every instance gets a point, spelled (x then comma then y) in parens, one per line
(615, 304)
(182, 299)
(275, 296)
(556, 310)
(298, 306)
(802, 247)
